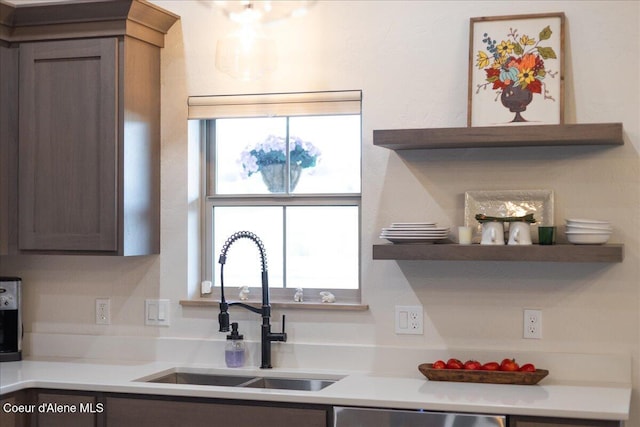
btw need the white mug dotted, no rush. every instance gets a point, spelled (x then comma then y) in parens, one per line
(519, 233)
(492, 233)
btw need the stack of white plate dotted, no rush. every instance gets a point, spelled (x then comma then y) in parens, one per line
(588, 231)
(414, 232)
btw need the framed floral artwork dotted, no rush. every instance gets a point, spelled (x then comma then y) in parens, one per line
(516, 70)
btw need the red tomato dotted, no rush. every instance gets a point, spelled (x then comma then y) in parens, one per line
(439, 364)
(528, 367)
(509, 365)
(491, 366)
(454, 364)
(472, 365)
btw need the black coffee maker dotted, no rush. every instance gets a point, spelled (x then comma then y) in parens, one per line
(10, 319)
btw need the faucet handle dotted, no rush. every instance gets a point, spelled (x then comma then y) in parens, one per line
(283, 335)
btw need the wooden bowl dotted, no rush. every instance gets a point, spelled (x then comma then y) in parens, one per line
(490, 377)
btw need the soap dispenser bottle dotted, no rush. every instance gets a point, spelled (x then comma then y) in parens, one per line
(234, 352)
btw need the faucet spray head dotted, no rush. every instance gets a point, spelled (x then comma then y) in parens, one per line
(223, 317)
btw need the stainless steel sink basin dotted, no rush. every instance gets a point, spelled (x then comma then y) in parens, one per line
(264, 382)
(289, 383)
(201, 379)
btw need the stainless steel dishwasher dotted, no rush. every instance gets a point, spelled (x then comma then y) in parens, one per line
(369, 417)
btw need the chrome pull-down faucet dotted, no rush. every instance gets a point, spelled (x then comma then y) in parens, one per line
(265, 310)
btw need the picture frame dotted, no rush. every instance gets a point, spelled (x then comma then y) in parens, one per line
(516, 70)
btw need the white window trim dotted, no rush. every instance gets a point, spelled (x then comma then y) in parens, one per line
(272, 105)
(275, 104)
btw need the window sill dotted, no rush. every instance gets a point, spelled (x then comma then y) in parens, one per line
(210, 302)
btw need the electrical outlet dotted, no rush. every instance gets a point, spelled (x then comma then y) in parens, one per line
(103, 311)
(409, 319)
(532, 321)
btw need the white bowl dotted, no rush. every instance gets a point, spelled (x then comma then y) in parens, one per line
(595, 223)
(588, 238)
(584, 229)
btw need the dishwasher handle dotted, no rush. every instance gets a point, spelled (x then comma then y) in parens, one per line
(372, 417)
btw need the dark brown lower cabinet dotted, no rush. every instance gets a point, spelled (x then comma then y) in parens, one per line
(63, 409)
(141, 412)
(10, 413)
(53, 408)
(86, 409)
(44, 408)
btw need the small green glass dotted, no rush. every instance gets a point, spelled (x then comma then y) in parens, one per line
(546, 235)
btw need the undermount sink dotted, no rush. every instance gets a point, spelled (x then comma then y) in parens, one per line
(201, 379)
(263, 382)
(289, 383)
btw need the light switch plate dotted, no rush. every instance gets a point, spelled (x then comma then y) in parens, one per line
(156, 312)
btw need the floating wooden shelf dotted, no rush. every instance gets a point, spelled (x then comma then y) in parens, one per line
(533, 253)
(500, 136)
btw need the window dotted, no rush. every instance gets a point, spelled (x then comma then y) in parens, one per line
(287, 168)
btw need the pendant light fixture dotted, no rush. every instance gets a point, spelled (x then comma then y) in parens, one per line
(247, 53)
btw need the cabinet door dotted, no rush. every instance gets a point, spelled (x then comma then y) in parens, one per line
(63, 410)
(14, 414)
(8, 147)
(68, 145)
(125, 412)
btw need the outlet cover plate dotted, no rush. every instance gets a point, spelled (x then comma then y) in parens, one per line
(103, 311)
(409, 319)
(532, 324)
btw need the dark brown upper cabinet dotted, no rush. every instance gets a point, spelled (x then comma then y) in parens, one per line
(88, 126)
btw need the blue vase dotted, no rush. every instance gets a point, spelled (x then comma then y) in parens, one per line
(274, 176)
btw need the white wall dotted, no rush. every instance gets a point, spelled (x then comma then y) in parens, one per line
(410, 60)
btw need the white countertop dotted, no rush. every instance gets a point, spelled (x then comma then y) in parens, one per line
(592, 401)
